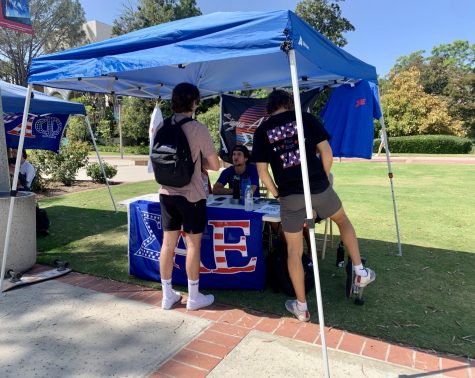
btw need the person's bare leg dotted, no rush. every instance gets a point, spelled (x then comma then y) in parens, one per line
(193, 255)
(294, 263)
(196, 300)
(167, 253)
(348, 235)
(170, 297)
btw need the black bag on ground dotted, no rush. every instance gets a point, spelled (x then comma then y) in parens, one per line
(171, 155)
(42, 222)
(278, 273)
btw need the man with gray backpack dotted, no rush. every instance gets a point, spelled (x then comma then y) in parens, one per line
(182, 148)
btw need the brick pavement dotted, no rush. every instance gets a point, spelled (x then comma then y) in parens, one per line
(230, 325)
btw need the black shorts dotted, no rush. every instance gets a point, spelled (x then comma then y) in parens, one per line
(178, 212)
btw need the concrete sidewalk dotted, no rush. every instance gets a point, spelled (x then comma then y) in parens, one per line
(84, 326)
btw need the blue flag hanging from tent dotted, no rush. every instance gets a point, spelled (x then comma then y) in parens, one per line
(43, 132)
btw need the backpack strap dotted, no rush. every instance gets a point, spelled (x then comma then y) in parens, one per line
(183, 121)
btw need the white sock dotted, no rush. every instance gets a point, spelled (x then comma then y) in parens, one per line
(193, 287)
(360, 270)
(167, 288)
(302, 306)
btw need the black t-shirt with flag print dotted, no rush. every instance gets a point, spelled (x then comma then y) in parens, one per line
(276, 142)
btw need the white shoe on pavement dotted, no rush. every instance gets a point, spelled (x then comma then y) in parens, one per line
(168, 303)
(200, 301)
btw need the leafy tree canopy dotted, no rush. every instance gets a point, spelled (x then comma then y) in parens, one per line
(460, 54)
(449, 72)
(153, 12)
(325, 16)
(408, 110)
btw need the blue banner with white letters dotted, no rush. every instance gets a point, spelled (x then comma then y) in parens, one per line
(231, 255)
(43, 132)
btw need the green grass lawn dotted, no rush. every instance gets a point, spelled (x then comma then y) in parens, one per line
(426, 298)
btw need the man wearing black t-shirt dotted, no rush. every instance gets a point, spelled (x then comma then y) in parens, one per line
(276, 143)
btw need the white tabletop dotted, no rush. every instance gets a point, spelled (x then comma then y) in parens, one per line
(269, 208)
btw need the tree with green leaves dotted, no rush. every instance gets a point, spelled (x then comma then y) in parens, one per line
(325, 16)
(460, 54)
(57, 25)
(212, 121)
(135, 120)
(408, 110)
(449, 74)
(153, 12)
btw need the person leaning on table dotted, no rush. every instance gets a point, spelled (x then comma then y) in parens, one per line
(276, 143)
(186, 207)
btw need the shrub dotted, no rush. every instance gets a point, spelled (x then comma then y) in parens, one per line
(211, 120)
(61, 167)
(94, 171)
(77, 129)
(427, 144)
(135, 150)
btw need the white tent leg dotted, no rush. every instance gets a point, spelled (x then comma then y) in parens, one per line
(308, 205)
(223, 144)
(15, 182)
(100, 161)
(390, 175)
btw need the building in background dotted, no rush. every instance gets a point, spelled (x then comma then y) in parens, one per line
(96, 31)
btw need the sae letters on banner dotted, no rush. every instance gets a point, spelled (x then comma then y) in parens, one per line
(231, 256)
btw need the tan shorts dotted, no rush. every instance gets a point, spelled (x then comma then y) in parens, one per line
(292, 208)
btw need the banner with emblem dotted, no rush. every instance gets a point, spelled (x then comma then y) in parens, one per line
(231, 257)
(42, 131)
(241, 116)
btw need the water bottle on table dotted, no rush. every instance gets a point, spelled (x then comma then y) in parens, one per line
(248, 199)
(236, 190)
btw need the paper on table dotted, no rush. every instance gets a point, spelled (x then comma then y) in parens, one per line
(268, 209)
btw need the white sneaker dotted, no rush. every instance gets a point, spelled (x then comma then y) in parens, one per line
(168, 303)
(291, 306)
(199, 302)
(365, 281)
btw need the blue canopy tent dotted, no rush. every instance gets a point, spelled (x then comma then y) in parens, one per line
(50, 115)
(13, 101)
(217, 52)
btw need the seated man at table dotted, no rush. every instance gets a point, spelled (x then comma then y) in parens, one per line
(242, 167)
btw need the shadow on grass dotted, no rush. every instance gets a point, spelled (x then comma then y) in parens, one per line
(71, 224)
(426, 298)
